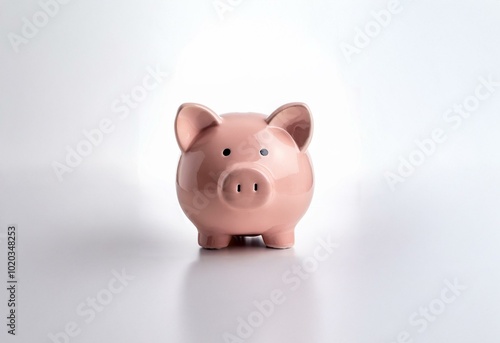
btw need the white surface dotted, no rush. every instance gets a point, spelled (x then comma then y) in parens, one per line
(397, 250)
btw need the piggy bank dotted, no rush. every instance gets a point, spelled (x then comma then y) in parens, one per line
(244, 174)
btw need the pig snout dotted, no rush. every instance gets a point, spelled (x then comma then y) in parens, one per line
(245, 188)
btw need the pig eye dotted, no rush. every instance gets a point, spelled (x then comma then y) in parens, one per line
(226, 152)
(264, 152)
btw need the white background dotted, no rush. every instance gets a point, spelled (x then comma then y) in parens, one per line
(397, 248)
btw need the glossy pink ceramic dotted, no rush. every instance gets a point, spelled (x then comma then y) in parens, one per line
(243, 173)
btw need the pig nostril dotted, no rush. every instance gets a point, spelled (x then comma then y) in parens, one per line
(238, 188)
(255, 187)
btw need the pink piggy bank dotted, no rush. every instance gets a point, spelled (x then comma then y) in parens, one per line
(242, 174)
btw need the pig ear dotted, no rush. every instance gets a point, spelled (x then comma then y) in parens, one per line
(190, 121)
(295, 118)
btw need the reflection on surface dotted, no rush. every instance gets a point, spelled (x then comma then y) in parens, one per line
(240, 291)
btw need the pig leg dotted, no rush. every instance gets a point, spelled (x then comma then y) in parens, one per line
(213, 241)
(279, 237)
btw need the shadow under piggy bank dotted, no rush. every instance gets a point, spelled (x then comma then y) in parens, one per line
(248, 293)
